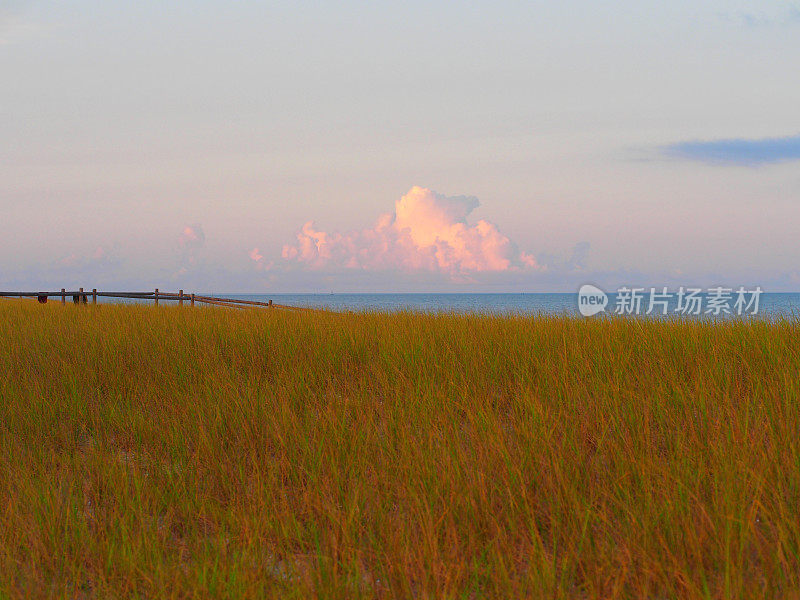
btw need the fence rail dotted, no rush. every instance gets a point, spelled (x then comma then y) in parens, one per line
(81, 296)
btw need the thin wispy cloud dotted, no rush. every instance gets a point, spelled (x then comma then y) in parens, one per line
(737, 151)
(763, 18)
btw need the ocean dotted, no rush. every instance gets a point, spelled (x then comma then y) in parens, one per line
(769, 304)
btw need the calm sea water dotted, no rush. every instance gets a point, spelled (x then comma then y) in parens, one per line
(770, 304)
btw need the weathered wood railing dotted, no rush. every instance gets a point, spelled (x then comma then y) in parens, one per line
(82, 296)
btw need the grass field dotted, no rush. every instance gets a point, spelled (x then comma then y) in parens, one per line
(172, 453)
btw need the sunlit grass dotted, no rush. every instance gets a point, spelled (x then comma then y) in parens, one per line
(216, 453)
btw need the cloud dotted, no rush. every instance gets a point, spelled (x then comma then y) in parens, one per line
(258, 260)
(426, 232)
(760, 19)
(191, 241)
(192, 236)
(255, 255)
(100, 256)
(559, 266)
(577, 262)
(83, 267)
(740, 151)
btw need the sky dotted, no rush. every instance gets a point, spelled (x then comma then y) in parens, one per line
(399, 147)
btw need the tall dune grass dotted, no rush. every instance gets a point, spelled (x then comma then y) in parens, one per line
(214, 453)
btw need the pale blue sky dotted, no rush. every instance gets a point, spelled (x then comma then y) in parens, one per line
(660, 139)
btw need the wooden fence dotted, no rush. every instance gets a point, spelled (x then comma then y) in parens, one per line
(82, 296)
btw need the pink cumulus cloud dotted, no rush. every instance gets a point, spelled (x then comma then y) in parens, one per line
(258, 260)
(427, 231)
(255, 255)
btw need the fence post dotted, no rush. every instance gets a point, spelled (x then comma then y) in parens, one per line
(94, 295)
(63, 296)
(180, 297)
(82, 297)
(192, 299)
(156, 296)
